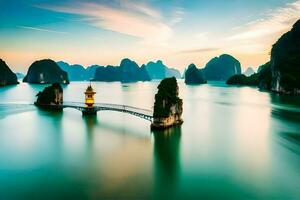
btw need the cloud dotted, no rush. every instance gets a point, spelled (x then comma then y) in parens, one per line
(273, 24)
(128, 17)
(41, 29)
(201, 50)
(177, 15)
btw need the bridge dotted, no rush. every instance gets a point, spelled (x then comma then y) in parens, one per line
(139, 112)
(89, 107)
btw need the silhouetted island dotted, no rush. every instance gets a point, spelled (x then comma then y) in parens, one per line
(51, 95)
(157, 70)
(44, 72)
(7, 77)
(167, 105)
(221, 68)
(128, 71)
(193, 75)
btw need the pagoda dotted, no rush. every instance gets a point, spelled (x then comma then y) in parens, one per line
(89, 96)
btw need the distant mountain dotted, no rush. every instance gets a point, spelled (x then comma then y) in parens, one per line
(249, 71)
(45, 72)
(19, 75)
(128, 71)
(157, 70)
(78, 72)
(194, 76)
(91, 70)
(221, 68)
(75, 72)
(7, 77)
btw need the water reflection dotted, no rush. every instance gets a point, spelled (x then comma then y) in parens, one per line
(286, 108)
(167, 160)
(90, 123)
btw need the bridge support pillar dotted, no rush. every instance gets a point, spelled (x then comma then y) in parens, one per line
(89, 111)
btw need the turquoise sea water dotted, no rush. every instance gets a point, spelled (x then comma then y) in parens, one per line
(235, 143)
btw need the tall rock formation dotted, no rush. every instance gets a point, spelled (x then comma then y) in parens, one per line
(167, 105)
(7, 77)
(46, 72)
(285, 62)
(221, 68)
(194, 76)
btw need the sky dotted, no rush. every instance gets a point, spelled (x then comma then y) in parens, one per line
(178, 32)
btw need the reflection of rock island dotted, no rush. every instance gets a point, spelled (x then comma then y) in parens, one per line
(166, 160)
(167, 106)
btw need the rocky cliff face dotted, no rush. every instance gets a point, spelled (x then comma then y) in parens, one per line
(7, 77)
(167, 106)
(128, 71)
(45, 72)
(51, 95)
(285, 62)
(221, 68)
(157, 70)
(194, 76)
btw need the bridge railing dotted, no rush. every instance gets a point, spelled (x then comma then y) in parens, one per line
(112, 106)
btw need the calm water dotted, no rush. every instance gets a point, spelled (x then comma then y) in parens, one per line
(235, 143)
